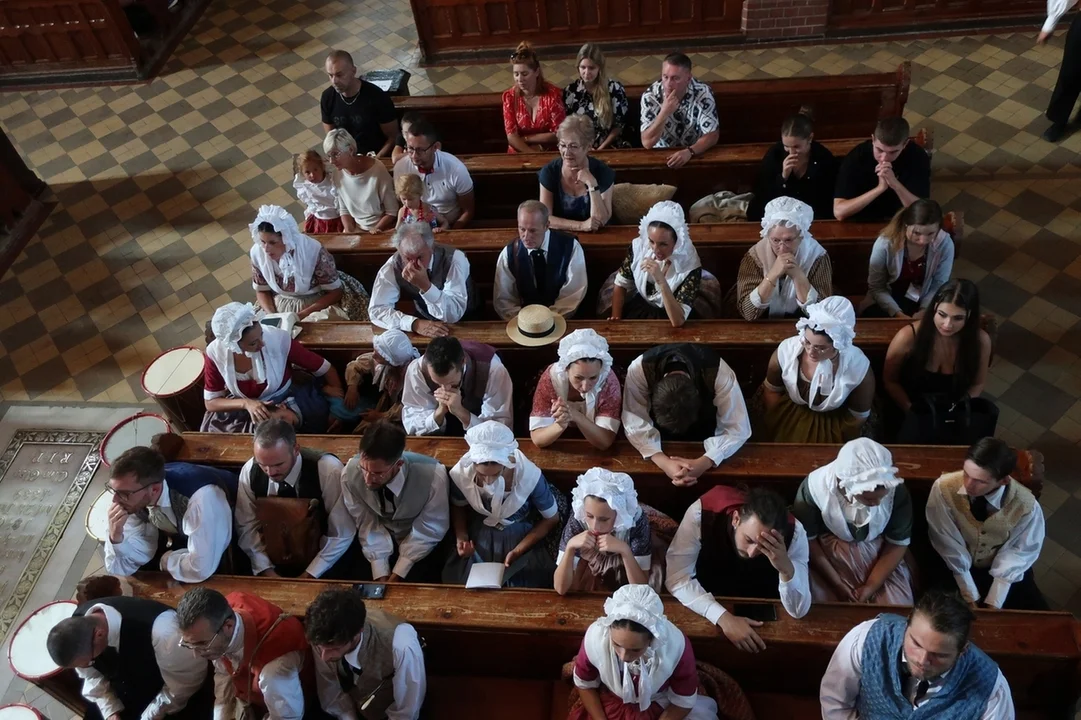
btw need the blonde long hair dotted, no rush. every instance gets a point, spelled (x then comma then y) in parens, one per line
(602, 99)
(921, 212)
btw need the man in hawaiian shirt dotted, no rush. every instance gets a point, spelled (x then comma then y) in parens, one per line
(679, 112)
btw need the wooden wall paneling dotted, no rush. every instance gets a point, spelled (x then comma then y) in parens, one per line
(65, 34)
(849, 14)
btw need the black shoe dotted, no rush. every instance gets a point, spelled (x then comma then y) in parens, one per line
(1054, 133)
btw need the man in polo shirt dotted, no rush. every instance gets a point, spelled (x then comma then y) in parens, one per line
(363, 109)
(447, 185)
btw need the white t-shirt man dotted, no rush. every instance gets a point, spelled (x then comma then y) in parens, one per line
(447, 181)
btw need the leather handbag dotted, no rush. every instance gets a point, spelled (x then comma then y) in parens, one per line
(291, 529)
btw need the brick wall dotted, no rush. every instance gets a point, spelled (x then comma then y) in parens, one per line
(784, 19)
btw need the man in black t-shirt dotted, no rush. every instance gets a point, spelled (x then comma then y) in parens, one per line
(882, 175)
(363, 109)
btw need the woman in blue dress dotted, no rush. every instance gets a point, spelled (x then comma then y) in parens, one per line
(502, 509)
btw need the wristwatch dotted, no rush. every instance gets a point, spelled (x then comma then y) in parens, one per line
(591, 189)
(691, 151)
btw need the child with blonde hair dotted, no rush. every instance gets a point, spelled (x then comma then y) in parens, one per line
(410, 189)
(316, 190)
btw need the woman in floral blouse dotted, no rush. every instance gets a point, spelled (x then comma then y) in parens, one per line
(533, 108)
(602, 100)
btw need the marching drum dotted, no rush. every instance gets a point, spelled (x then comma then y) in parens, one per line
(19, 711)
(27, 654)
(136, 430)
(175, 380)
(97, 518)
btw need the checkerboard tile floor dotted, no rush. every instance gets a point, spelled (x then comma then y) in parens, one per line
(155, 186)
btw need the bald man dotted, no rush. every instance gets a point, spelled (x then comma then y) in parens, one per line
(359, 107)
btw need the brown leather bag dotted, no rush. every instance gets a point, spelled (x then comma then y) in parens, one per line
(291, 530)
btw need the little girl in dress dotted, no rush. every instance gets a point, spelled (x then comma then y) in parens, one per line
(410, 190)
(316, 190)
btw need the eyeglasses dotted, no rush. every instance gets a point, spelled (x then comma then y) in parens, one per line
(378, 475)
(417, 150)
(125, 494)
(573, 147)
(816, 350)
(201, 645)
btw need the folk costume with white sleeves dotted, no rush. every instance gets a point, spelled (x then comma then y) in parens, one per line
(270, 379)
(553, 275)
(448, 300)
(868, 679)
(853, 535)
(722, 422)
(703, 560)
(990, 546)
(193, 516)
(696, 290)
(596, 570)
(143, 673)
(811, 258)
(401, 523)
(502, 513)
(602, 404)
(823, 407)
(379, 385)
(304, 273)
(665, 675)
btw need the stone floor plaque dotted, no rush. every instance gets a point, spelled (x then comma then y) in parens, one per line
(43, 474)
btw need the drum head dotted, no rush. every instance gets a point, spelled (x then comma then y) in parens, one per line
(97, 519)
(136, 430)
(19, 712)
(173, 371)
(27, 654)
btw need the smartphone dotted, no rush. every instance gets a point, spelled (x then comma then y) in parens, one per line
(272, 321)
(763, 612)
(370, 591)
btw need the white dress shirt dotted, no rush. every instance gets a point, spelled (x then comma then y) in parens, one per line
(279, 681)
(419, 403)
(1055, 10)
(840, 690)
(376, 540)
(1012, 560)
(448, 181)
(340, 526)
(409, 683)
(508, 301)
(733, 423)
(207, 523)
(447, 305)
(182, 671)
(683, 556)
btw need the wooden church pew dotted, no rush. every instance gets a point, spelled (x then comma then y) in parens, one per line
(501, 181)
(527, 635)
(845, 106)
(720, 247)
(745, 346)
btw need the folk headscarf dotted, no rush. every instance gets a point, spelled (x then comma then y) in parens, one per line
(683, 260)
(301, 252)
(791, 213)
(580, 345)
(493, 441)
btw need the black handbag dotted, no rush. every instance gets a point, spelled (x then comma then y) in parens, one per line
(938, 420)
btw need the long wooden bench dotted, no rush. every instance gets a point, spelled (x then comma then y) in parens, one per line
(845, 106)
(501, 181)
(527, 635)
(745, 346)
(721, 248)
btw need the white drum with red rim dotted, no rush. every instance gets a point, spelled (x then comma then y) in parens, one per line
(175, 380)
(131, 432)
(27, 654)
(19, 711)
(97, 519)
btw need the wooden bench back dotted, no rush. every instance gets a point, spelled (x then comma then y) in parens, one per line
(531, 633)
(749, 110)
(501, 181)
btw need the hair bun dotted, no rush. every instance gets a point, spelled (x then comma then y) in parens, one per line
(807, 111)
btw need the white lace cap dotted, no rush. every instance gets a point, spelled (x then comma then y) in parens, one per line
(231, 320)
(616, 489)
(639, 603)
(283, 223)
(671, 214)
(491, 441)
(834, 316)
(582, 344)
(863, 465)
(394, 347)
(789, 212)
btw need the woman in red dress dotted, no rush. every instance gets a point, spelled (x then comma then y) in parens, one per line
(533, 108)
